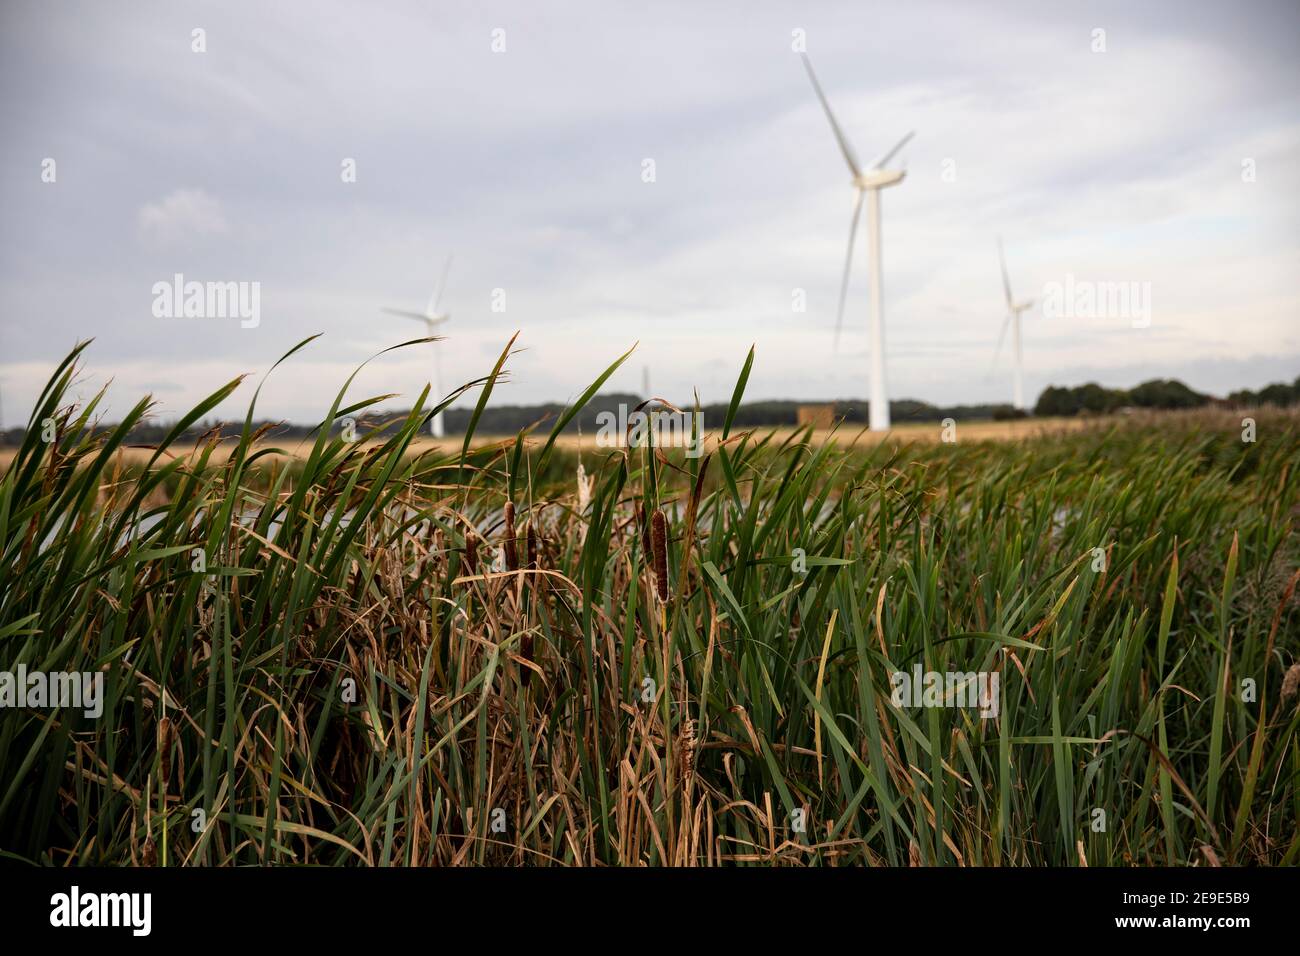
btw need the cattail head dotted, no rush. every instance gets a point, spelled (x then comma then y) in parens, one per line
(659, 546)
(511, 545)
(1291, 682)
(532, 547)
(686, 748)
(526, 652)
(166, 738)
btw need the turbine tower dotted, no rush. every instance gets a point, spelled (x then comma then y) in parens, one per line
(867, 182)
(432, 319)
(1014, 309)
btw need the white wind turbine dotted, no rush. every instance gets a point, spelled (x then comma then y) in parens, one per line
(432, 319)
(1014, 309)
(869, 182)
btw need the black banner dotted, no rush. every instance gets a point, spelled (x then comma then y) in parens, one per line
(333, 906)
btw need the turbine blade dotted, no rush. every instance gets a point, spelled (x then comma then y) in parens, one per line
(441, 287)
(1006, 279)
(848, 264)
(407, 314)
(845, 148)
(1001, 335)
(890, 155)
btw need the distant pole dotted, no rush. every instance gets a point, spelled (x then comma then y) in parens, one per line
(436, 426)
(879, 407)
(1019, 379)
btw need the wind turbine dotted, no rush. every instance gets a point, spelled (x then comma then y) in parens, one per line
(867, 182)
(1014, 309)
(432, 319)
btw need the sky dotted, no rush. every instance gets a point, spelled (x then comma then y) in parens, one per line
(1156, 144)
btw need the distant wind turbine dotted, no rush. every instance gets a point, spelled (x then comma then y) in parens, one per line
(869, 182)
(432, 319)
(1014, 309)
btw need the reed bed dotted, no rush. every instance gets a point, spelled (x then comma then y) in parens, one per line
(384, 654)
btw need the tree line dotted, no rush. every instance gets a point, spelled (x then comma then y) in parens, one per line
(1055, 401)
(1158, 393)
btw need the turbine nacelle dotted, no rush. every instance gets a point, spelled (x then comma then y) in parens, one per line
(879, 178)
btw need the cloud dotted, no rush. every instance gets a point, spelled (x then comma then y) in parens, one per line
(181, 215)
(1117, 166)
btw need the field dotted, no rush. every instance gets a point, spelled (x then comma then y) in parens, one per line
(530, 651)
(908, 433)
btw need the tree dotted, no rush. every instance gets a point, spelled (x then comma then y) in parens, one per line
(1166, 393)
(1093, 398)
(1278, 394)
(1056, 401)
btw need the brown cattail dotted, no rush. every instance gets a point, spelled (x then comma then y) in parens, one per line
(471, 553)
(645, 530)
(166, 738)
(1291, 682)
(686, 748)
(532, 547)
(659, 542)
(526, 652)
(512, 549)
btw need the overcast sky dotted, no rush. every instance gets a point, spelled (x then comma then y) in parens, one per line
(1125, 165)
